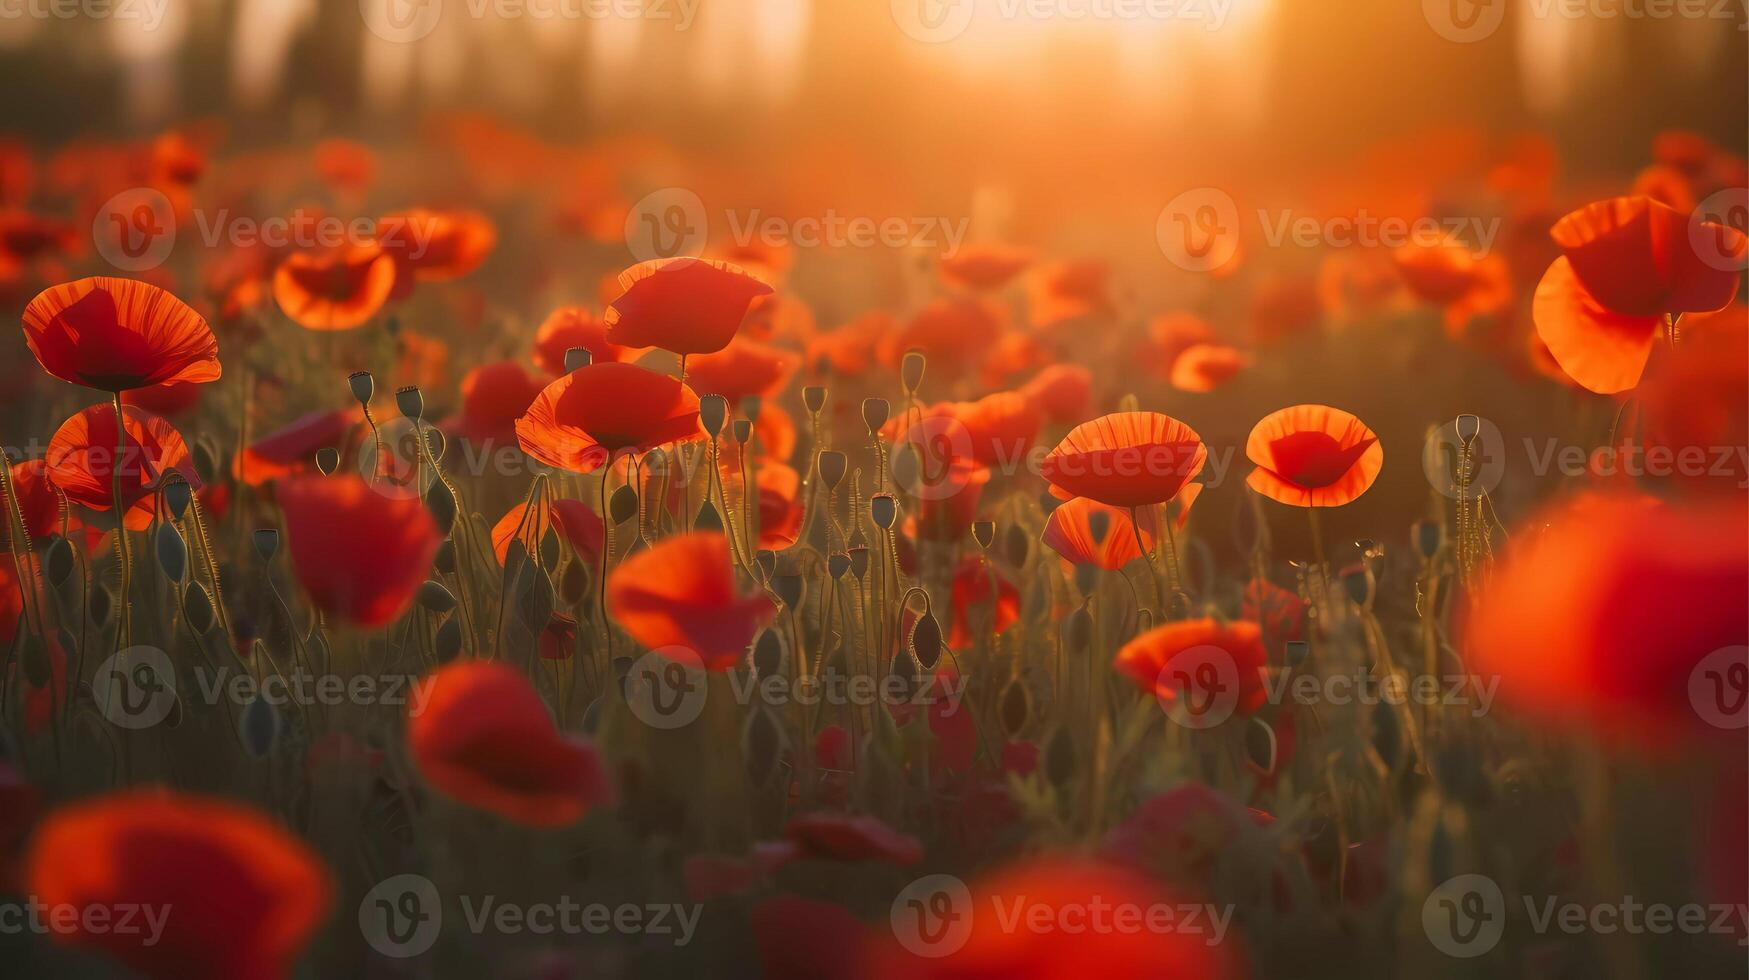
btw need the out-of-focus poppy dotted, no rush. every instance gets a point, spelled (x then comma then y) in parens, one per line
(802, 939)
(39, 502)
(572, 519)
(1205, 367)
(1151, 658)
(1125, 459)
(434, 246)
(177, 158)
(681, 592)
(595, 414)
(1063, 292)
(1666, 185)
(494, 396)
(778, 489)
(1058, 893)
(574, 326)
(1602, 611)
(1278, 612)
(972, 582)
(235, 894)
(850, 350)
(1181, 834)
(1313, 456)
(984, 267)
(359, 554)
(293, 449)
(1355, 282)
(116, 334)
(345, 165)
(81, 459)
(1696, 400)
(847, 837)
(1171, 334)
(778, 317)
(559, 637)
(1087, 532)
(954, 333)
(25, 237)
(486, 739)
(334, 290)
(1627, 264)
(1285, 306)
(743, 368)
(996, 430)
(1060, 391)
(684, 305)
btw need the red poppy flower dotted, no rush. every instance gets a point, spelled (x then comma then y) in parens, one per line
(597, 413)
(116, 334)
(234, 893)
(971, 597)
(486, 739)
(1353, 283)
(744, 368)
(1171, 334)
(1060, 896)
(984, 267)
(1181, 835)
(954, 333)
(1126, 459)
(573, 519)
(681, 592)
(846, 837)
(1069, 531)
(559, 638)
(778, 489)
(83, 449)
(1285, 306)
(850, 349)
(1278, 612)
(293, 449)
(494, 396)
(684, 305)
(1313, 456)
(1059, 293)
(574, 326)
(434, 246)
(801, 939)
(1205, 367)
(1060, 392)
(359, 554)
(1698, 398)
(39, 502)
(334, 290)
(1627, 263)
(1600, 615)
(1151, 658)
(345, 165)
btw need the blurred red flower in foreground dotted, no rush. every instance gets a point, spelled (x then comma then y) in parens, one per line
(82, 453)
(574, 326)
(494, 396)
(1053, 917)
(434, 246)
(358, 553)
(681, 592)
(1313, 456)
(1126, 459)
(954, 333)
(293, 448)
(334, 290)
(1604, 609)
(1628, 263)
(595, 414)
(236, 895)
(118, 334)
(1167, 659)
(684, 305)
(485, 739)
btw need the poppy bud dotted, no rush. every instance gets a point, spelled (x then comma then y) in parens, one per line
(441, 503)
(1358, 581)
(577, 357)
(363, 386)
(623, 505)
(875, 412)
(410, 402)
(713, 411)
(197, 606)
(984, 532)
(911, 370)
(58, 560)
(859, 561)
(788, 588)
(743, 429)
(884, 509)
(707, 519)
(832, 467)
(574, 583)
(177, 494)
(838, 564)
(926, 641)
(768, 653)
(449, 640)
(100, 605)
(327, 460)
(814, 396)
(172, 552)
(1428, 537)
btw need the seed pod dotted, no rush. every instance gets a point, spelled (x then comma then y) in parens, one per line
(577, 357)
(171, 551)
(445, 560)
(837, 565)
(259, 727)
(1295, 652)
(534, 602)
(100, 604)
(708, 519)
(441, 503)
(411, 402)
(814, 397)
(911, 370)
(197, 606)
(1357, 581)
(448, 643)
(574, 583)
(883, 508)
(859, 561)
(743, 429)
(363, 386)
(266, 541)
(204, 466)
(926, 641)
(768, 653)
(788, 588)
(713, 411)
(177, 494)
(622, 504)
(1429, 535)
(875, 412)
(1016, 546)
(1467, 428)
(327, 460)
(58, 560)
(832, 468)
(549, 550)
(434, 596)
(984, 532)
